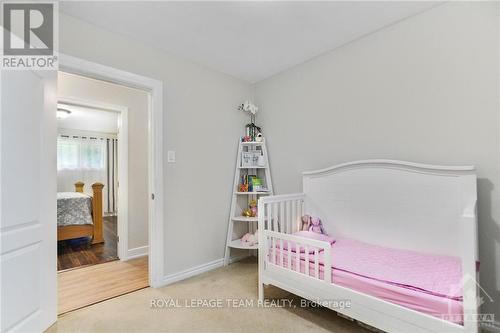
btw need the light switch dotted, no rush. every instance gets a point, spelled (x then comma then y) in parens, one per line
(171, 156)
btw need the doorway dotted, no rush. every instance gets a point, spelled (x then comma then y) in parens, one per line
(93, 182)
(73, 65)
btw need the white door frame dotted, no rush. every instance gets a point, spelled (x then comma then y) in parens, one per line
(82, 67)
(122, 163)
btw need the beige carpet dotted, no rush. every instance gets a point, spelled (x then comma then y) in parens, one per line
(133, 312)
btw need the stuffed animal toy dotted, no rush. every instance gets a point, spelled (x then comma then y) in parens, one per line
(250, 239)
(245, 237)
(253, 207)
(305, 223)
(317, 226)
(251, 211)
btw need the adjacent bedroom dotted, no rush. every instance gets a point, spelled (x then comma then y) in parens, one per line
(87, 172)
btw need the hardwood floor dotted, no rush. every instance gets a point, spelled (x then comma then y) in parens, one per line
(88, 285)
(80, 252)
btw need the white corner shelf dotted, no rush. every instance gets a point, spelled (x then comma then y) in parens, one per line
(245, 219)
(246, 224)
(237, 244)
(253, 167)
(252, 143)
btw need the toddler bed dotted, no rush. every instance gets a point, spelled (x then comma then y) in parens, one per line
(402, 244)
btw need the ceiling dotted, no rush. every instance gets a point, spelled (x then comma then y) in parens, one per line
(88, 119)
(250, 40)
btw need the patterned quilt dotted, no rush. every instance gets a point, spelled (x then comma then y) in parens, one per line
(73, 209)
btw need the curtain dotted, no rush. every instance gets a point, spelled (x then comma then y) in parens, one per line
(88, 159)
(112, 175)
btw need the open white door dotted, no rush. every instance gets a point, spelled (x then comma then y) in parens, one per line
(28, 201)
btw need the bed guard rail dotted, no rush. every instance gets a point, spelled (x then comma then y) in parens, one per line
(298, 254)
(279, 217)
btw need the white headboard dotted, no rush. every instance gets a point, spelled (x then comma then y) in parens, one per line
(393, 203)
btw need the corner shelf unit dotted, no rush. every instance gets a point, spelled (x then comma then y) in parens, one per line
(236, 244)
(252, 143)
(252, 167)
(238, 224)
(244, 219)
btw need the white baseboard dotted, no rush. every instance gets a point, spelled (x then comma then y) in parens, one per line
(137, 252)
(190, 272)
(493, 329)
(234, 259)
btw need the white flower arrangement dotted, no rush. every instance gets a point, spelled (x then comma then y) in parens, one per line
(252, 129)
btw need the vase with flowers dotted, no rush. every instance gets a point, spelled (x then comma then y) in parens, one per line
(252, 130)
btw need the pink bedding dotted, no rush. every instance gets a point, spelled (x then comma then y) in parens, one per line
(422, 282)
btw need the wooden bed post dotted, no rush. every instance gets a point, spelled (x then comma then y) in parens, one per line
(97, 213)
(79, 187)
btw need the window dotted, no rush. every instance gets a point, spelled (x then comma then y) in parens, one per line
(80, 153)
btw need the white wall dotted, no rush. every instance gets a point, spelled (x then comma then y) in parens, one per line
(201, 123)
(137, 103)
(425, 89)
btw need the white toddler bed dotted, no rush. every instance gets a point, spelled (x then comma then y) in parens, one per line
(405, 248)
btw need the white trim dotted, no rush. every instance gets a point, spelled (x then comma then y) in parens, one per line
(137, 252)
(155, 159)
(175, 277)
(122, 221)
(237, 258)
(122, 225)
(197, 270)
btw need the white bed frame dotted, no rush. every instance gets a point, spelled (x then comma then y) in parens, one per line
(404, 205)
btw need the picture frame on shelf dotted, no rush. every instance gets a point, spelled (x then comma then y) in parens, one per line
(246, 159)
(250, 159)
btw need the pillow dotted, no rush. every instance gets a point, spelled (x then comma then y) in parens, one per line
(306, 234)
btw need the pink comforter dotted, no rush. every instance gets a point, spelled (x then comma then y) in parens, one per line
(423, 282)
(434, 274)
